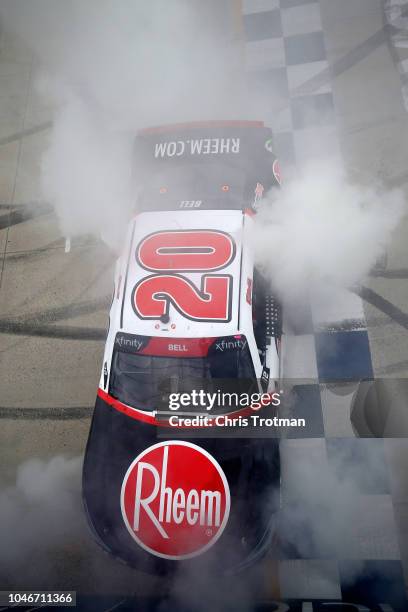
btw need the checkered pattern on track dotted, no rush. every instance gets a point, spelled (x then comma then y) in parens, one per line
(285, 49)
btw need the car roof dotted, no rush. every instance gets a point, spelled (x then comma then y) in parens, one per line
(145, 224)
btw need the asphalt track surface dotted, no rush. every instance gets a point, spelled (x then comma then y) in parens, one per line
(53, 305)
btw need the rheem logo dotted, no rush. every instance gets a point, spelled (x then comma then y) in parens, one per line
(175, 500)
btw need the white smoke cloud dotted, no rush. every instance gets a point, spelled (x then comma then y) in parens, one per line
(46, 542)
(39, 513)
(111, 68)
(327, 511)
(322, 230)
(87, 173)
(137, 61)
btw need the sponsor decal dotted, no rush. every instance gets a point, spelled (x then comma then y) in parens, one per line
(269, 145)
(259, 190)
(129, 343)
(265, 378)
(191, 347)
(277, 171)
(230, 344)
(175, 500)
(199, 146)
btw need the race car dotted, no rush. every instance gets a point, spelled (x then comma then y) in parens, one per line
(173, 472)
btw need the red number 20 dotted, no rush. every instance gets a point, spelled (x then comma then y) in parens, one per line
(171, 252)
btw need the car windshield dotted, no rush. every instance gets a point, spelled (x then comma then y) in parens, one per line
(145, 381)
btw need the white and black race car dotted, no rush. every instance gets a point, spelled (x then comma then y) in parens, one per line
(170, 472)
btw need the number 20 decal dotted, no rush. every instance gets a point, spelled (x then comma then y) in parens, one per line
(171, 252)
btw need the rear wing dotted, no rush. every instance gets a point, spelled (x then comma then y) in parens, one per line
(240, 151)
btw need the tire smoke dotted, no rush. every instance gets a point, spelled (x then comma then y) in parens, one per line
(321, 230)
(39, 513)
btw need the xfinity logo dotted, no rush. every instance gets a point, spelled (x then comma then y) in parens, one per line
(133, 343)
(175, 500)
(202, 146)
(227, 345)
